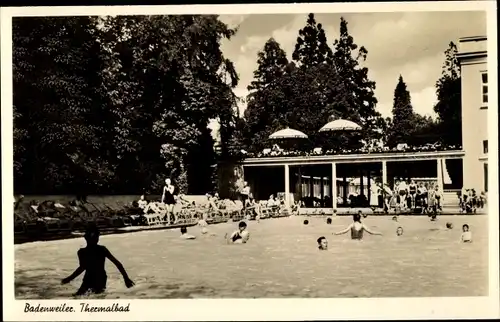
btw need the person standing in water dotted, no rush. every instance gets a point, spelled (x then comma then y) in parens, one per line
(168, 199)
(357, 228)
(91, 261)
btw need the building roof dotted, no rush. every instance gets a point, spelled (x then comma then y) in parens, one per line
(472, 38)
(472, 48)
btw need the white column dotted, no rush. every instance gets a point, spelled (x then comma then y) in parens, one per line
(384, 173)
(287, 185)
(440, 174)
(334, 186)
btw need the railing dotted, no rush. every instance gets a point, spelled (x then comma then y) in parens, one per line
(367, 150)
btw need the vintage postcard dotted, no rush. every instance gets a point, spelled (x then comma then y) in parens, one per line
(250, 162)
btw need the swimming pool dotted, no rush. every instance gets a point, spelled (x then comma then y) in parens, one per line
(280, 260)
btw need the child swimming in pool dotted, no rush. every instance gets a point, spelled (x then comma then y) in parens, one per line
(240, 236)
(399, 231)
(322, 243)
(357, 228)
(202, 223)
(185, 235)
(466, 235)
(91, 261)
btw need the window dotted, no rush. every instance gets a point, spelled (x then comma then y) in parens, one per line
(486, 177)
(484, 86)
(485, 146)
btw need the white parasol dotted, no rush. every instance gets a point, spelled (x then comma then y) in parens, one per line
(340, 125)
(288, 133)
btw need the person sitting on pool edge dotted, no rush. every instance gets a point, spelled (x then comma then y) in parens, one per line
(240, 236)
(466, 236)
(357, 228)
(142, 203)
(185, 235)
(322, 243)
(91, 261)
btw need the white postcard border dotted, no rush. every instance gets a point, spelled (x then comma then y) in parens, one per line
(256, 309)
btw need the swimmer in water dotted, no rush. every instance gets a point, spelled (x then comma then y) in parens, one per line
(399, 231)
(328, 221)
(322, 243)
(202, 223)
(91, 261)
(306, 222)
(466, 235)
(240, 236)
(185, 235)
(357, 228)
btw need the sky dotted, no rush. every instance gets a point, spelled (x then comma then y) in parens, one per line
(410, 44)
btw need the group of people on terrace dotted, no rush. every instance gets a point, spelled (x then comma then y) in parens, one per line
(277, 151)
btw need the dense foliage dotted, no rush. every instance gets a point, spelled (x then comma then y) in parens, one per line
(449, 95)
(321, 83)
(115, 105)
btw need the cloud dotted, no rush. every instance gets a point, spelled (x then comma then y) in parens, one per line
(423, 101)
(233, 20)
(407, 43)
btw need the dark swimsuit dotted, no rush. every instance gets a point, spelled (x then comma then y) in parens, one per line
(357, 234)
(413, 189)
(169, 197)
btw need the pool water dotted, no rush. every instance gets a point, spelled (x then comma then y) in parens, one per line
(280, 260)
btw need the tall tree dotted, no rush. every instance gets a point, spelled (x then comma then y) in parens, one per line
(402, 115)
(115, 105)
(312, 47)
(449, 105)
(359, 101)
(272, 66)
(272, 63)
(308, 96)
(59, 111)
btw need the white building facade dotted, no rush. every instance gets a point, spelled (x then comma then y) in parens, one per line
(472, 55)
